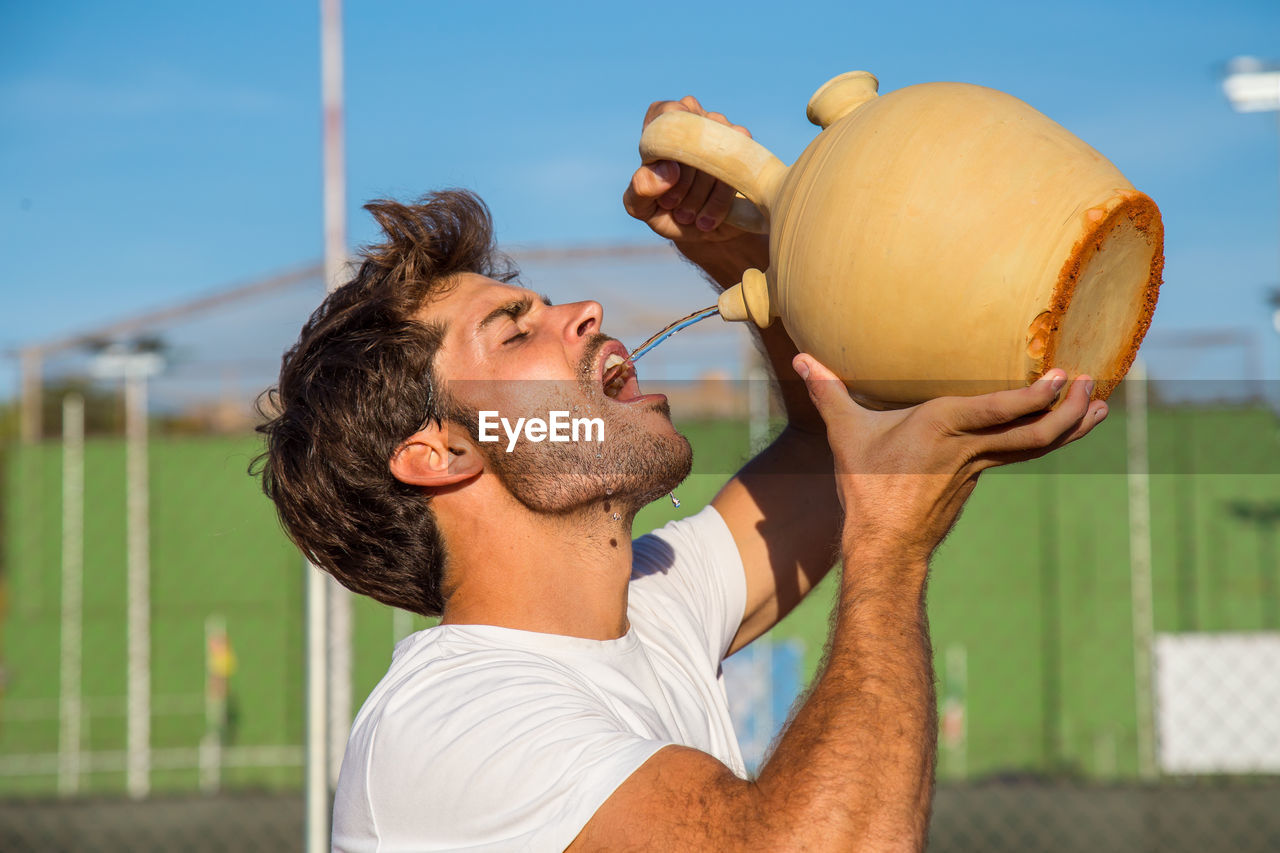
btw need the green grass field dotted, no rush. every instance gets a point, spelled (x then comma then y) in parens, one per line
(1032, 588)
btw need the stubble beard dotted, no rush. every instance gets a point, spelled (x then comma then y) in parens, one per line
(633, 466)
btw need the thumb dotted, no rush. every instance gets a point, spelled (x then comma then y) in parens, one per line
(825, 388)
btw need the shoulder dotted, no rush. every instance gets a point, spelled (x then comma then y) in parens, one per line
(694, 541)
(450, 686)
(690, 572)
(480, 748)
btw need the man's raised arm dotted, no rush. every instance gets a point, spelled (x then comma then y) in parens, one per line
(854, 767)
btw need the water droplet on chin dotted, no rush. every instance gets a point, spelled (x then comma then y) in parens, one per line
(608, 491)
(675, 501)
(617, 517)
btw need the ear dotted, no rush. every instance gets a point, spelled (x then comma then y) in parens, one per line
(428, 458)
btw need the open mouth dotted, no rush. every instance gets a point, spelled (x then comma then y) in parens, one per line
(618, 376)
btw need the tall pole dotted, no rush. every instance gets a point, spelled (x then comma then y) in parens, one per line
(138, 559)
(317, 748)
(335, 267)
(70, 650)
(1139, 481)
(328, 608)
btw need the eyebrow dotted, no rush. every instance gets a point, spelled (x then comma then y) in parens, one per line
(514, 309)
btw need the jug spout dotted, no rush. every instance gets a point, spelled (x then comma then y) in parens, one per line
(747, 300)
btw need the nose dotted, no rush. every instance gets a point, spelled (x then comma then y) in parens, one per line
(583, 319)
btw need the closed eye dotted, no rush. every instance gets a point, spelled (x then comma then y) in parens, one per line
(513, 311)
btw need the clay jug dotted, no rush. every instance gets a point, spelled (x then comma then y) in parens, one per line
(942, 239)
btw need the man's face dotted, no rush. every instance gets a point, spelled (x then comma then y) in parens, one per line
(507, 350)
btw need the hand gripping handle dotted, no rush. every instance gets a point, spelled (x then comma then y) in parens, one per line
(724, 153)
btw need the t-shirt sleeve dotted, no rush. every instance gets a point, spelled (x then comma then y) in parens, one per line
(691, 568)
(518, 760)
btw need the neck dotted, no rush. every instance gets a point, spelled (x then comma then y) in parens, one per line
(513, 567)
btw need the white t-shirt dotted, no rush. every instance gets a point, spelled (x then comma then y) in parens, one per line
(487, 738)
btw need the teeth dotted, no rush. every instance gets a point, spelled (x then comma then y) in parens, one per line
(615, 374)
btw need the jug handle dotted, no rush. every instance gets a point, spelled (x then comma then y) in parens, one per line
(724, 153)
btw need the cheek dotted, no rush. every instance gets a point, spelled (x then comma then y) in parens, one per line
(525, 382)
(520, 397)
(474, 395)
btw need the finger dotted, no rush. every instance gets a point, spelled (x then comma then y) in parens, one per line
(654, 179)
(662, 222)
(972, 414)
(639, 206)
(699, 191)
(657, 108)
(720, 117)
(720, 198)
(717, 207)
(1046, 431)
(655, 217)
(1096, 414)
(649, 181)
(673, 197)
(827, 392)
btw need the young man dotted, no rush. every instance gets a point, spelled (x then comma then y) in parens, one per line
(570, 697)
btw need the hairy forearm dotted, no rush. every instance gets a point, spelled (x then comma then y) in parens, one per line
(855, 766)
(854, 769)
(725, 261)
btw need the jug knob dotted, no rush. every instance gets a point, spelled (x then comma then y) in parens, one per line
(840, 96)
(747, 300)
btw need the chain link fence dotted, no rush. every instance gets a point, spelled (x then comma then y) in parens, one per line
(1106, 632)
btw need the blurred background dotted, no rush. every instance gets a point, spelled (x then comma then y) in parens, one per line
(1106, 621)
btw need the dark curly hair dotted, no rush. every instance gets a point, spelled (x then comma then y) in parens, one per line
(356, 384)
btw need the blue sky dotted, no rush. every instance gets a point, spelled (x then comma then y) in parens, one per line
(153, 151)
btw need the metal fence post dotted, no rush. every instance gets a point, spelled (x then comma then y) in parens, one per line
(71, 631)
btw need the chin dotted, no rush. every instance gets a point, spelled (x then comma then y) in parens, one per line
(669, 474)
(638, 462)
